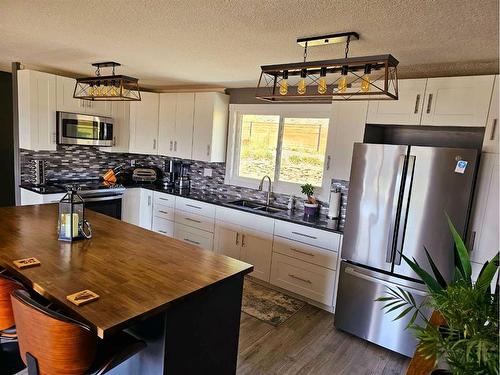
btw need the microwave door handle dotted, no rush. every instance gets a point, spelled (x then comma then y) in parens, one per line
(389, 255)
(404, 210)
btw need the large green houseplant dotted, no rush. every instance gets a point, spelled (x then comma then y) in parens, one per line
(469, 339)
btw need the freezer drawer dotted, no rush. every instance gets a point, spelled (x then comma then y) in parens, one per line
(358, 313)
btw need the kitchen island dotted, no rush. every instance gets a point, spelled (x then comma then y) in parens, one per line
(183, 301)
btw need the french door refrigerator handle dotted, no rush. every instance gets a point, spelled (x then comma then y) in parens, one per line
(389, 255)
(404, 210)
(353, 272)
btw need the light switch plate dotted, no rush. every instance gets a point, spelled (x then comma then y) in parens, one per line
(207, 172)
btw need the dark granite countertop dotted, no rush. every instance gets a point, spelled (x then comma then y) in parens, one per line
(297, 217)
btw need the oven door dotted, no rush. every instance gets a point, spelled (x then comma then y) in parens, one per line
(76, 129)
(107, 205)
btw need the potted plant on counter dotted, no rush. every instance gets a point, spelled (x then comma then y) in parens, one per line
(311, 204)
(468, 340)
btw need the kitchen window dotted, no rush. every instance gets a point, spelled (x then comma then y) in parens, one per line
(289, 146)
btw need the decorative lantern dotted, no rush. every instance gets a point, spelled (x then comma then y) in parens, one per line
(71, 218)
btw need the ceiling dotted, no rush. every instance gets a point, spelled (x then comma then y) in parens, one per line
(222, 43)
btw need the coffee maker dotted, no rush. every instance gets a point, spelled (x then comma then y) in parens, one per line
(183, 182)
(173, 169)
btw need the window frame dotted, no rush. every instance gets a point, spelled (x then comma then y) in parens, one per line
(236, 112)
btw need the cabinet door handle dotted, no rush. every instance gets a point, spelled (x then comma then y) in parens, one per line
(243, 240)
(208, 150)
(299, 278)
(305, 235)
(171, 145)
(493, 129)
(193, 220)
(114, 141)
(417, 102)
(328, 160)
(237, 238)
(149, 200)
(429, 104)
(193, 206)
(302, 252)
(188, 240)
(175, 145)
(154, 144)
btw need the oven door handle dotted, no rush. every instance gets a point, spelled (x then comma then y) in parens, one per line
(99, 199)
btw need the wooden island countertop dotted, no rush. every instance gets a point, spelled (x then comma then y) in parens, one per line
(136, 272)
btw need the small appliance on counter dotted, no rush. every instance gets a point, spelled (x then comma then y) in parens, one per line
(145, 174)
(183, 182)
(172, 169)
(334, 203)
(38, 174)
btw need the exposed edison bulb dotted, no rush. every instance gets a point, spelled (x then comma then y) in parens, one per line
(322, 86)
(301, 87)
(342, 84)
(365, 83)
(283, 87)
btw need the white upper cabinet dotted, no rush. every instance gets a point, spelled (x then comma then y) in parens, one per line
(120, 112)
(184, 114)
(404, 111)
(37, 110)
(144, 124)
(484, 241)
(457, 101)
(176, 125)
(491, 139)
(66, 102)
(210, 126)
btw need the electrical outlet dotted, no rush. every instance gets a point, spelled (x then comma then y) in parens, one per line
(207, 172)
(132, 162)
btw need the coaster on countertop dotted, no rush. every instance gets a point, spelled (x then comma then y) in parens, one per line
(26, 263)
(82, 297)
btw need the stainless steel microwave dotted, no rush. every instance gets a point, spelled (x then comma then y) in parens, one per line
(77, 129)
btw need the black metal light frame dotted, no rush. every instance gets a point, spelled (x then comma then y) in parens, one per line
(109, 88)
(382, 70)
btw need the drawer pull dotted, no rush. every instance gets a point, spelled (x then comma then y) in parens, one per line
(193, 206)
(164, 199)
(193, 220)
(305, 235)
(162, 231)
(188, 240)
(302, 252)
(163, 212)
(299, 278)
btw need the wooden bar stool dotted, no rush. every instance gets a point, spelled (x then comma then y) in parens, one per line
(52, 344)
(7, 328)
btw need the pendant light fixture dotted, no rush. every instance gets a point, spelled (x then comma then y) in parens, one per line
(107, 88)
(348, 78)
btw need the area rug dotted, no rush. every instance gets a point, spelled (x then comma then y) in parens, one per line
(268, 305)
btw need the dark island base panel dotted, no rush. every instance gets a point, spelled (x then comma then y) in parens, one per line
(198, 335)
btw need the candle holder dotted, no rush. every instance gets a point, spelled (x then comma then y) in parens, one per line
(72, 223)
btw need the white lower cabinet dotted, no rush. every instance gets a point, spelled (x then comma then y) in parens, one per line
(29, 197)
(194, 236)
(306, 279)
(137, 207)
(256, 249)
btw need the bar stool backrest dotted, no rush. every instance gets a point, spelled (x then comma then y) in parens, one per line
(59, 344)
(7, 285)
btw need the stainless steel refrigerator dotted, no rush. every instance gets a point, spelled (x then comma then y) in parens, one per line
(398, 196)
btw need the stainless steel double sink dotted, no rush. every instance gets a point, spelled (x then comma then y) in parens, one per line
(256, 206)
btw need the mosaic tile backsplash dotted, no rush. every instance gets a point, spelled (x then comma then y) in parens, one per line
(82, 162)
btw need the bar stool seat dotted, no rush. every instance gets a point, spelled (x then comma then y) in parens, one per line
(52, 343)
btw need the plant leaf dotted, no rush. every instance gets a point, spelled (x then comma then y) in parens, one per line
(463, 253)
(403, 313)
(486, 275)
(395, 307)
(439, 278)
(431, 283)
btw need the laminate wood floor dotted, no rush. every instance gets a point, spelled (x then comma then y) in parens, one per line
(308, 343)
